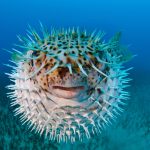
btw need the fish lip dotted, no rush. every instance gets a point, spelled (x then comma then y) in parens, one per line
(75, 88)
(73, 93)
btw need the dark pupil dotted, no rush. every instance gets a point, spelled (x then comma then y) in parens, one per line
(35, 53)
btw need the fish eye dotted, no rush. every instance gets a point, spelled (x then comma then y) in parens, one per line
(35, 53)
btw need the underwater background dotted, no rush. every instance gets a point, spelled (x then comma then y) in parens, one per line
(131, 131)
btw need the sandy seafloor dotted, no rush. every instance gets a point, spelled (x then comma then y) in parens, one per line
(131, 131)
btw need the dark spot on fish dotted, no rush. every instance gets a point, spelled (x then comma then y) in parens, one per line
(80, 61)
(64, 47)
(35, 47)
(31, 62)
(51, 60)
(90, 53)
(68, 60)
(89, 48)
(80, 55)
(46, 66)
(55, 48)
(99, 91)
(45, 48)
(65, 54)
(61, 62)
(38, 73)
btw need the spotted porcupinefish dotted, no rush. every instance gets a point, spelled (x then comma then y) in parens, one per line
(68, 84)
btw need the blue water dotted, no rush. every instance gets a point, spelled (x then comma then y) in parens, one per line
(131, 17)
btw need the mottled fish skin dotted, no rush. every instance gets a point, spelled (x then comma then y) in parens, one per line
(69, 85)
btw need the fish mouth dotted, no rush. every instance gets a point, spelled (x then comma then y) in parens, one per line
(68, 92)
(69, 88)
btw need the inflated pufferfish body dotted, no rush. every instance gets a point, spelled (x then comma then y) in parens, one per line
(69, 84)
